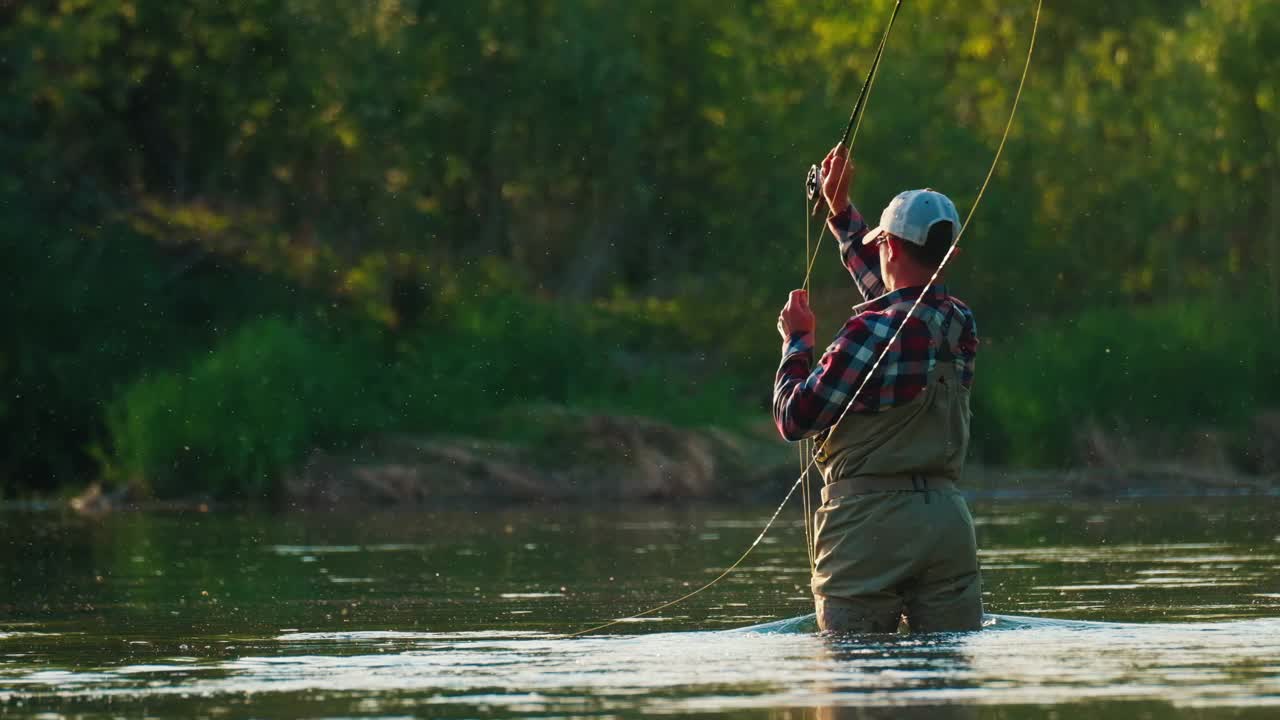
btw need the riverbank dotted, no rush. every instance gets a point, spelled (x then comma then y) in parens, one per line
(635, 460)
(586, 458)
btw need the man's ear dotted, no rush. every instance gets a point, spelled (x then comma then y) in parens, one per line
(895, 247)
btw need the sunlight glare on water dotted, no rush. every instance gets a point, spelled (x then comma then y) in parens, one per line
(1016, 661)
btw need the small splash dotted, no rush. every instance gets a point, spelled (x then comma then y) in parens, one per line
(805, 624)
(298, 550)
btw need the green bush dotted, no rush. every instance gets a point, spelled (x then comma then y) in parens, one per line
(231, 423)
(228, 425)
(1141, 370)
(505, 349)
(87, 310)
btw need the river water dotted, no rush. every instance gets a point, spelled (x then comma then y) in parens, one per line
(1115, 608)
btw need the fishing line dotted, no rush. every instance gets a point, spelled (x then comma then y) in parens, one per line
(717, 579)
(805, 447)
(870, 373)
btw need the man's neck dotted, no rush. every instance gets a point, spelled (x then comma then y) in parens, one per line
(896, 281)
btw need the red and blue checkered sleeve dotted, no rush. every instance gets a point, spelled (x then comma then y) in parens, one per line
(862, 261)
(805, 402)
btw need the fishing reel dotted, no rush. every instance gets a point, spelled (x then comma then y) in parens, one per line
(813, 183)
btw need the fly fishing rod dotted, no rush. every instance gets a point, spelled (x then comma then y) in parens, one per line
(813, 182)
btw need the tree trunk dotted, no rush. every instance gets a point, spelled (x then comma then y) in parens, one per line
(594, 251)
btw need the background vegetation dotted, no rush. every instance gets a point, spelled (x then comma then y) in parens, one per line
(236, 230)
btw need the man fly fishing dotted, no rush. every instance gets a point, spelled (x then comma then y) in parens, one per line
(893, 536)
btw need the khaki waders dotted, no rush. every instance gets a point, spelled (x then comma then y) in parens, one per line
(894, 536)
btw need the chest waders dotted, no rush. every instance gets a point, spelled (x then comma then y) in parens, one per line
(893, 534)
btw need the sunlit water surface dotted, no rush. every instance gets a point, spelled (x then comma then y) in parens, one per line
(1112, 608)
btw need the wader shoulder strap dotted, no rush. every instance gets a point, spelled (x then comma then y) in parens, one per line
(952, 331)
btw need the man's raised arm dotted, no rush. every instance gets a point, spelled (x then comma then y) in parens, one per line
(847, 225)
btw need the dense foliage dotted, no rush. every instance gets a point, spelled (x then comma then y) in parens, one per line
(236, 230)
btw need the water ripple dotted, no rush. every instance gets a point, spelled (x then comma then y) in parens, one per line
(1015, 660)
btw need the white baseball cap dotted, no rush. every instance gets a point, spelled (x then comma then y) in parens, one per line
(912, 213)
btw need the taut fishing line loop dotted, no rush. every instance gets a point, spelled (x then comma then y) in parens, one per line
(871, 372)
(954, 243)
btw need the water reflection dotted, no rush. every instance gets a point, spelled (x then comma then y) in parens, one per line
(463, 615)
(869, 664)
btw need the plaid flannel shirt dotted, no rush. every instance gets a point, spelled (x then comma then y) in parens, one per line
(807, 400)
